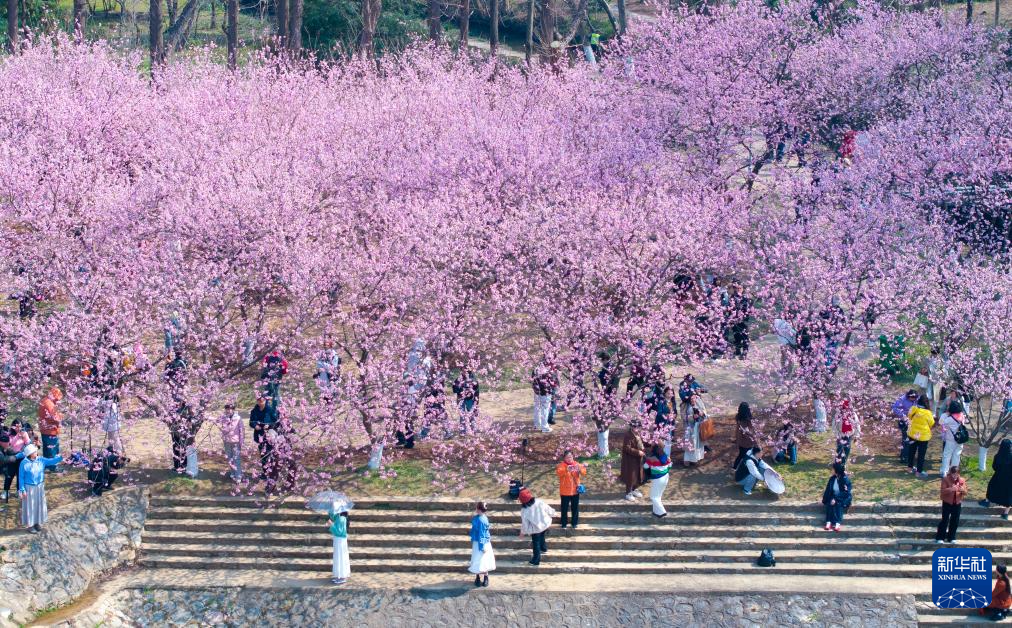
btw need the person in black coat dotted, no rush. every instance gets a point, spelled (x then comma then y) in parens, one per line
(999, 489)
(837, 497)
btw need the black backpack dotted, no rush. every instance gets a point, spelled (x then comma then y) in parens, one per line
(961, 435)
(766, 559)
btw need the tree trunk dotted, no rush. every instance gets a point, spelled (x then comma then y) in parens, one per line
(232, 31)
(493, 26)
(173, 9)
(464, 22)
(981, 458)
(281, 13)
(547, 26)
(80, 16)
(179, 31)
(370, 16)
(295, 25)
(621, 18)
(602, 443)
(12, 25)
(156, 48)
(435, 26)
(610, 14)
(969, 12)
(214, 14)
(529, 45)
(997, 4)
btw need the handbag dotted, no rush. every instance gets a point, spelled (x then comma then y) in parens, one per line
(706, 430)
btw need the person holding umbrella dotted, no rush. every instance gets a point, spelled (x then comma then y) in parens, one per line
(339, 530)
(482, 556)
(336, 506)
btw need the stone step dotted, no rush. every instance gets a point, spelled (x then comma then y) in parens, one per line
(459, 566)
(667, 527)
(586, 517)
(571, 541)
(747, 506)
(560, 553)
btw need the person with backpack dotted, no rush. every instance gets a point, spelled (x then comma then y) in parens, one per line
(535, 519)
(837, 497)
(953, 491)
(1001, 596)
(571, 474)
(954, 435)
(921, 421)
(341, 568)
(657, 465)
(999, 487)
(482, 556)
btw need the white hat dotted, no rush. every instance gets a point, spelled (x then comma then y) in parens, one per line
(30, 449)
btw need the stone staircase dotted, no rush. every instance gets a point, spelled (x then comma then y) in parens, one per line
(617, 538)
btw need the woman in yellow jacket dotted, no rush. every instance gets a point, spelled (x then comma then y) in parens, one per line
(921, 421)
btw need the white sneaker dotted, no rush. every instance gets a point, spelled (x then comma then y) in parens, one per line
(630, 497)
(636, 493)
(546, 430)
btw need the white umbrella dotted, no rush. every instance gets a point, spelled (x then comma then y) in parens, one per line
(330, 502)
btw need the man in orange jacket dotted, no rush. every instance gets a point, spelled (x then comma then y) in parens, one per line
(570, 473)
(50, 420)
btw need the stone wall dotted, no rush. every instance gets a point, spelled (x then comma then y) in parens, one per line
(80, 541)
(326, 606)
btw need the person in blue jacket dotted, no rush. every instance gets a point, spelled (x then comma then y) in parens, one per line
(32, 487)
(482, 557)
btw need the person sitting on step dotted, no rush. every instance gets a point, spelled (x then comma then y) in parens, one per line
(1001, 597)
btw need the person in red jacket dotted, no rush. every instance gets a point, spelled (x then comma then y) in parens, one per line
(570, 474)
(50, 421)
(1001, 597)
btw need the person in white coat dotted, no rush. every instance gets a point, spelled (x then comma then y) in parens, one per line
(694, 450)
(109, 409)
(952, 419)
(535, 519)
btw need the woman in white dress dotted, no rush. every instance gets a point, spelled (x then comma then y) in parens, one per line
(342, 562)
(482, 557)
(694, 449)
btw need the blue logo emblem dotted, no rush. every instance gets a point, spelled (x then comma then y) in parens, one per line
(961, 578)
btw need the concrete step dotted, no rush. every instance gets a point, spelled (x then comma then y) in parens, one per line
(561, 553)
(399, 565)
(571, 541)
(667, 527)
(587, 517)
(746, 506)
